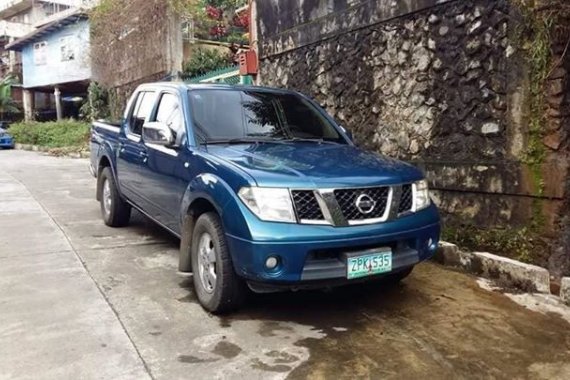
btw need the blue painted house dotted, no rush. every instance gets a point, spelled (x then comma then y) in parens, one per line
(56, 61)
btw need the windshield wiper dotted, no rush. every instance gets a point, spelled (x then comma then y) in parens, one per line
(241, 140)
(315, 140)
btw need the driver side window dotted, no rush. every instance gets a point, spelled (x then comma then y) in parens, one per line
(141, 111)
(169, 113)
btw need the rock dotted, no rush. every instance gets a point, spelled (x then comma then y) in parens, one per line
(474, 65)
(499, 104)
(490, 128)
(473, 75)
(565, 290)
(415, 148)
(437, 64)
(375, 110)
(418, 100)
(431, 44)
(443, 30)
(555, 87)
(422, 77)
(473, 46)
(433, 19)
(423, 61)
(460, 20)
(402, 57)
(558, 73)
(555, 101)
(397, 87)
(509, 51)
(475, 26)
(403, 139)
(553, 140)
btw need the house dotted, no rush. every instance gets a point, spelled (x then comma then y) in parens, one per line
(18, 18)
(55, 60)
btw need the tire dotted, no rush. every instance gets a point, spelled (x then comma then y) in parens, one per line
(225, 291)
(114, 210)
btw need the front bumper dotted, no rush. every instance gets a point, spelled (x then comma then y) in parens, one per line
(313, 259)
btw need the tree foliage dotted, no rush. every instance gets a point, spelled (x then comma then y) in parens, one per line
(204, 60)
(216, 19)
(7, 104)
(97, 104)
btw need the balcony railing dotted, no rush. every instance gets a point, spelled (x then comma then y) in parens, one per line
(14, 29)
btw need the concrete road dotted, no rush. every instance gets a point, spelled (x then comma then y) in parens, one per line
(81, 300)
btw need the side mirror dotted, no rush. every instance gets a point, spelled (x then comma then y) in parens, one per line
(158, 133)
(347, 132)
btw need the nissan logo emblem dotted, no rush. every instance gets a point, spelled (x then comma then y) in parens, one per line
(365, 204)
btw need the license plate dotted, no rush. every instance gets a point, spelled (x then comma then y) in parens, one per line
(368, 264)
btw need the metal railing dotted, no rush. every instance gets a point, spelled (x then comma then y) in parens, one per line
(227, 75)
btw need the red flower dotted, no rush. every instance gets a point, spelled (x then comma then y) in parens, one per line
(241, 21)
(214, 13)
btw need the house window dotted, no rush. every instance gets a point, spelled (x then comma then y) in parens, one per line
(53, 8)
(66, 49)
(40, 53)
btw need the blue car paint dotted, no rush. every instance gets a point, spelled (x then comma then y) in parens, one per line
(6, 140)
(167, 185)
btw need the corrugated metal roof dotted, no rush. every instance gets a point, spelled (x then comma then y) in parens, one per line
(54, 26)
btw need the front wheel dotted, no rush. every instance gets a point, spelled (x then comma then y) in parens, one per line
(217, 286)
(115, 211)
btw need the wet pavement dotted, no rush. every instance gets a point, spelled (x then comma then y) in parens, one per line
(437, 324)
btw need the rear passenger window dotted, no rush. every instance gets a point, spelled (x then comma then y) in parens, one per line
(141, 111)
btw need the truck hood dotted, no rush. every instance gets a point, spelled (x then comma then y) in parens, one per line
(307, 164)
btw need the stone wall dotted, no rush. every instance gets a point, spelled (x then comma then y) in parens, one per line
(134, 41)
(442, 83)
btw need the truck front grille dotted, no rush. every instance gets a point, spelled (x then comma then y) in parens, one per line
(348, 201)
(306, 205)
(407, 200)
(352, 206)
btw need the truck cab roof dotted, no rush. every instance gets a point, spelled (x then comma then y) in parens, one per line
(219, 86)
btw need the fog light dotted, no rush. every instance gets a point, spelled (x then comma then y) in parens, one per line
(271, 262)
(432, 246)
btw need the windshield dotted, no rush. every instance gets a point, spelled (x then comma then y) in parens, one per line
(224, 115)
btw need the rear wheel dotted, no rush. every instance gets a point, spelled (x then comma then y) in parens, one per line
(115, 211)
(217, 286)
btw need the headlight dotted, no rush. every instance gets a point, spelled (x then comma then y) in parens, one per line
(268, 203)
(421, 195)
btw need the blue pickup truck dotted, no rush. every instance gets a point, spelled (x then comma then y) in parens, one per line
(264, 189)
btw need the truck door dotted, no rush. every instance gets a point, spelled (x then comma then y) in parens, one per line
(166, 173)
(132, 155)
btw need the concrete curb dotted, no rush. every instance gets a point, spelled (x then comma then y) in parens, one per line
(508, 272)
(565, 290)
(51, 151)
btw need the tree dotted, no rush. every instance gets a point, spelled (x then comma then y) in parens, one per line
(7, 104)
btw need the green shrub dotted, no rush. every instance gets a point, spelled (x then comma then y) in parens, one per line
(204, 60)
(516, 243)
(56, 134)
